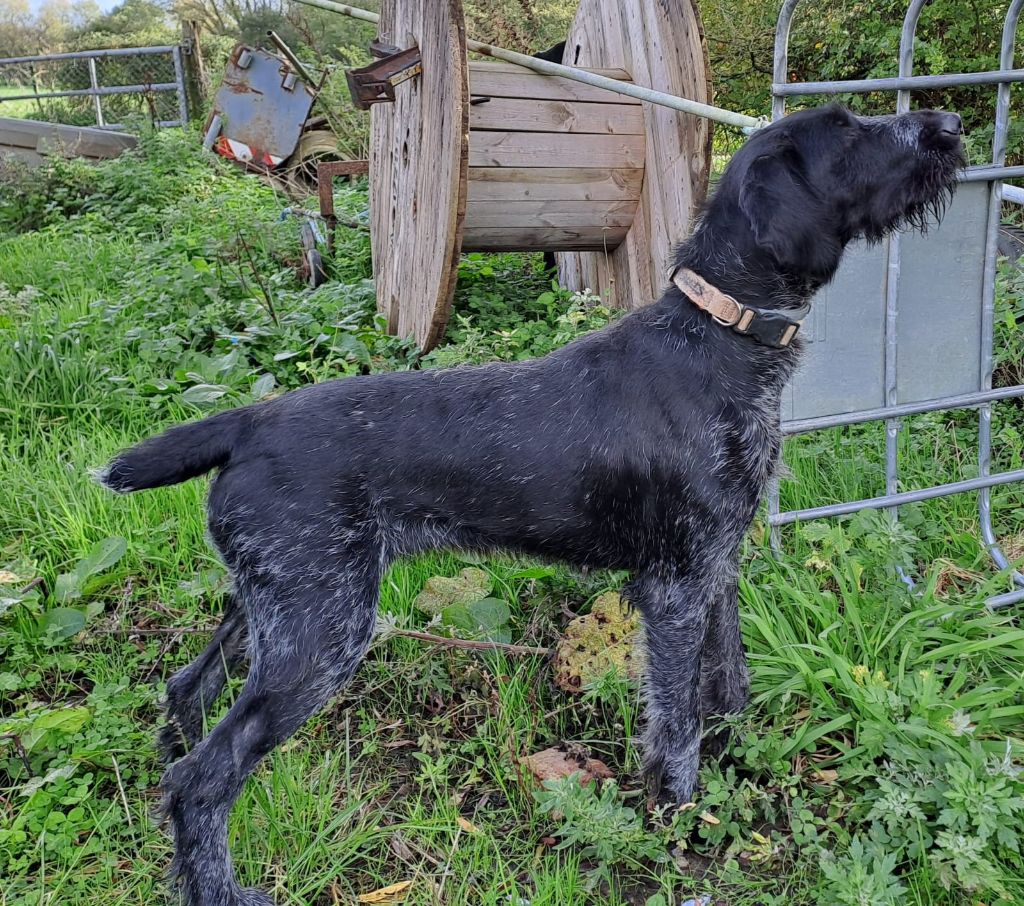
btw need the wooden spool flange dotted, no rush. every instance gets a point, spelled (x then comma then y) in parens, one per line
(550, 164)
(419, 149)
(661, 45)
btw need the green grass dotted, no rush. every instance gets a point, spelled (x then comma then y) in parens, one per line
(879, 761)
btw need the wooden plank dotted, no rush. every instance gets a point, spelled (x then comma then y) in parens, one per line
(25, 155)
(556, 213)
(522, 115)
(534, 239)
(508, 81)
(503, 184)
(68, 141)
(418, 153)
(554, 149)
(502, 66)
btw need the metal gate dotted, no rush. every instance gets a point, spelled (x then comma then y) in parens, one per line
(898, 310)
(136, 81)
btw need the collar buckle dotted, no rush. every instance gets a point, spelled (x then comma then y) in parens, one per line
(766, 326)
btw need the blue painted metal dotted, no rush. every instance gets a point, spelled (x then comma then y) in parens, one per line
(261, 104)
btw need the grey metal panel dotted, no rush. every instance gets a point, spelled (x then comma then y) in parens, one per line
(938, 323)
(255, 107)
(940, 302)
(843, 367)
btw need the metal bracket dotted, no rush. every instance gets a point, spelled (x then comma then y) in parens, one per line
(375, 84)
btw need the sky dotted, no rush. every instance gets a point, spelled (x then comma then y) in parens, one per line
(104, 5)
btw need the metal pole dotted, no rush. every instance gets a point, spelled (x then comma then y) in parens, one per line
(877, 503)
(94, 81)
(289, 55)
(780, 65)
(728, 117)
(1002, 123)
(179, 80)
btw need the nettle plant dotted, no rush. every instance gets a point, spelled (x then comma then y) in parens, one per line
(882, 738)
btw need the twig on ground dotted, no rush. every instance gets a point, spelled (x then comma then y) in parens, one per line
(120, 787)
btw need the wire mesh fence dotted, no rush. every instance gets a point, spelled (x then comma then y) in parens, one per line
(111, 89)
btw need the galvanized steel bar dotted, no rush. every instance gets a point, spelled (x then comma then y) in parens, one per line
(1002, 125)
(779, 66)
(85, 54)
(179, 78)
(892, 275)
(780, 63)
(92, 92)
(891, 500)
(546, 67)
(997, 602)
(95, 84)
(986, 173)
(962, 401)
(909, 83)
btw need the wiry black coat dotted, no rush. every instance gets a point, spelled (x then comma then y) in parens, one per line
(644, 446)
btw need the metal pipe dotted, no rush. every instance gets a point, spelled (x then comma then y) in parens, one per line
(94, 83)
(291, 58)
(892, 276)
(987, 173)
(962, 401)
(728, 117)
(890, 500)
(781, 59)
(780, 63)
(90, 92)
(85, 54)
(909, 83)
(997, 602)
(1002, 125)
(1013, 194)
(179, 78)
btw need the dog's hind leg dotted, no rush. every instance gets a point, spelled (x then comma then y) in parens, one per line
(724, 678)
(307, 637)
(676, 606)
(192, 691)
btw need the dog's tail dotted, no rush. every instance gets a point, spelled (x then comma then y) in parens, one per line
(179, 454)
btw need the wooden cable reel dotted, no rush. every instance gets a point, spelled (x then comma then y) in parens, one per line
(487, 156)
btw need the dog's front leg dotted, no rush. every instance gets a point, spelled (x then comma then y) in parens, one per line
(676, 609)
(724, 678)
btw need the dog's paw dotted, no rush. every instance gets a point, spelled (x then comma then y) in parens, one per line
(253, 896)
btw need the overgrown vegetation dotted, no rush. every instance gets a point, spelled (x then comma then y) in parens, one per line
(880, 762)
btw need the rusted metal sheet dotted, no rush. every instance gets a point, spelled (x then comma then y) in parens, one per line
(259, 108)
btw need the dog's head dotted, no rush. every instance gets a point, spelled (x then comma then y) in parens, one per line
(813, 181)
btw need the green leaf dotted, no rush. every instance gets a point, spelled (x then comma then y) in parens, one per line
(62, 623)
(204, 393)
(101, 556)
(486, 618)
(37, 783)
(263, 385)
(65, 721)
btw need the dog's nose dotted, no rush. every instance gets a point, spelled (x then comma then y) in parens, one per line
(951, 123)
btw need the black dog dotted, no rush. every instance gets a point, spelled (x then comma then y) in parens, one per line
(645, 446)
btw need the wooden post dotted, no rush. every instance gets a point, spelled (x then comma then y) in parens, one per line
(196, 83)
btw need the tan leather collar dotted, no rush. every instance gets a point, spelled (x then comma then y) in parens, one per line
(769, 327)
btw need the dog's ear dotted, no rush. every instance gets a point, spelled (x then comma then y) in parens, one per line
(787, 216)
